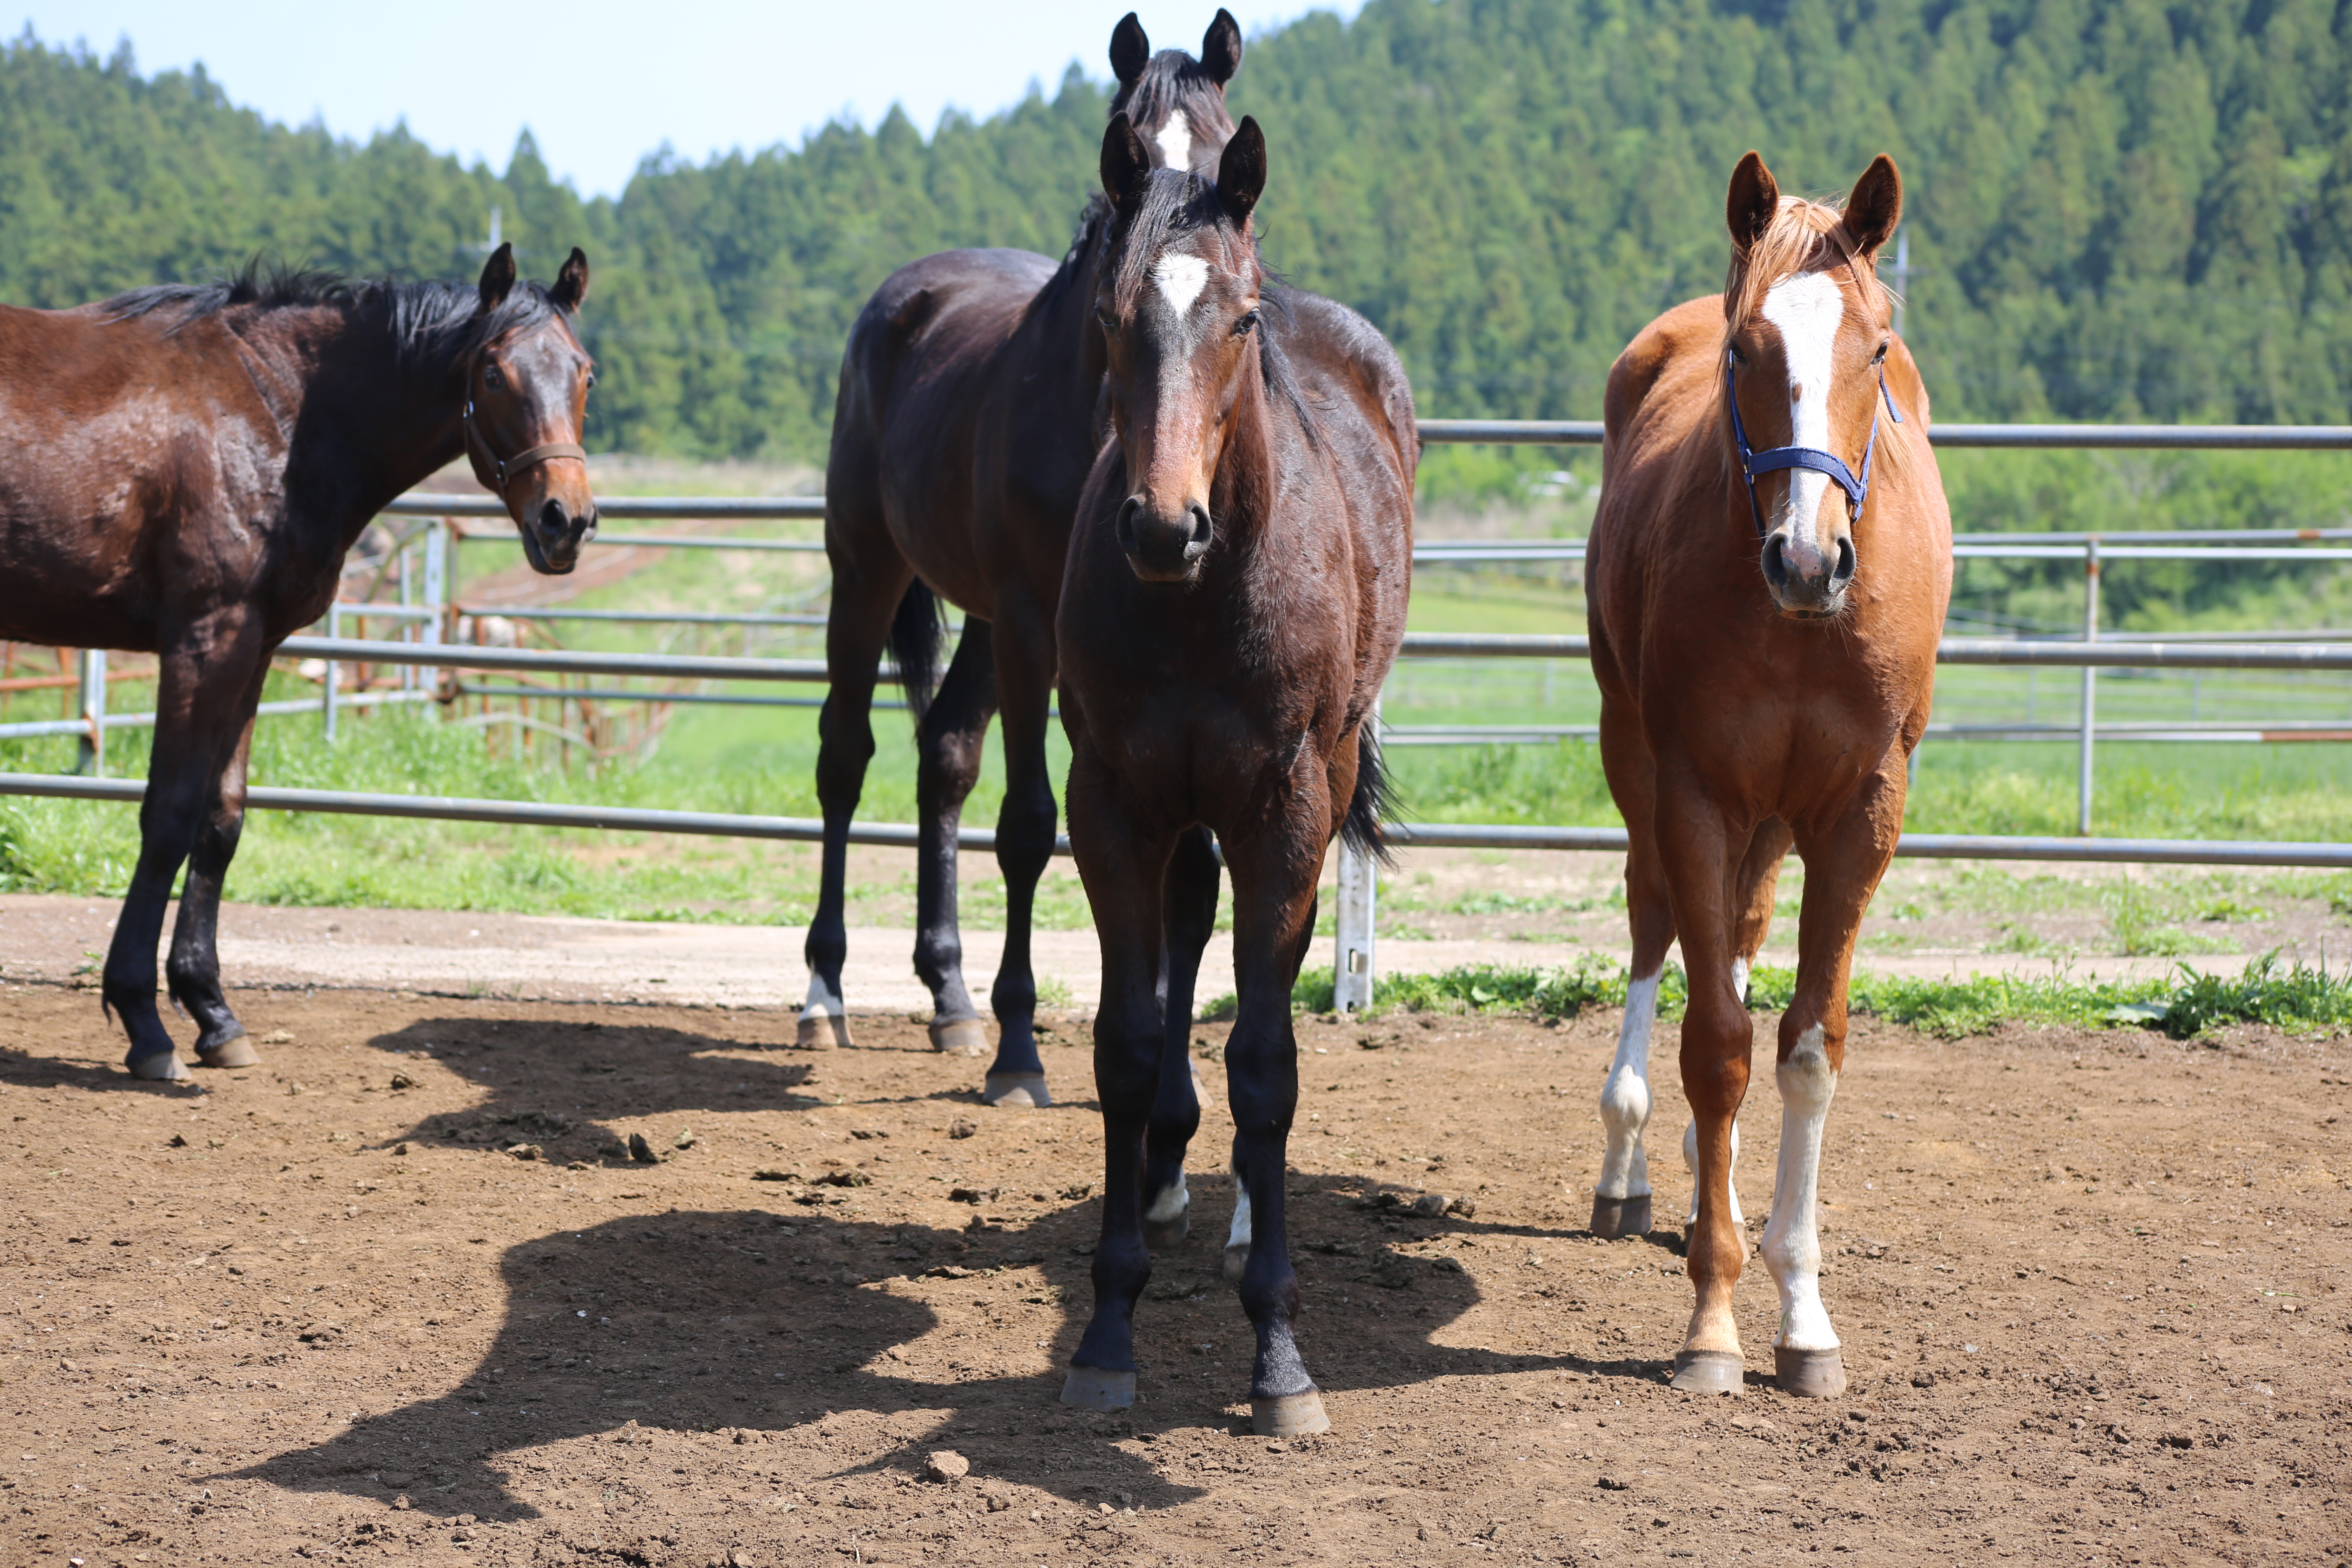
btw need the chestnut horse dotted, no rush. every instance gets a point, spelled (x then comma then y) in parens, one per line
(1234, 597)
(187, 466)
(1768, 574)
(966, 422)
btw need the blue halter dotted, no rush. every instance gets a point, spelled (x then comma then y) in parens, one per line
(1773, 459)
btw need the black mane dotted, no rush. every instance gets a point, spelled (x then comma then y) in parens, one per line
(428, 321)
(1173, 80)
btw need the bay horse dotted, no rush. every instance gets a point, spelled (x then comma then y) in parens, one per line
(1767, 579)
(1234, 597)
(188, 465)
(966, 421)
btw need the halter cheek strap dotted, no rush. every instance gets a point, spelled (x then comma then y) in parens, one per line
(1773, 459)
(505, 468)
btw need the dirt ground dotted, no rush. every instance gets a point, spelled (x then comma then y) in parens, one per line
(2091, 1287)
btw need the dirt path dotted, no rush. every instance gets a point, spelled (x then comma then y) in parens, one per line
(2090, 1287)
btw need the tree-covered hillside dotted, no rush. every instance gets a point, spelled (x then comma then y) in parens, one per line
(2118, 209)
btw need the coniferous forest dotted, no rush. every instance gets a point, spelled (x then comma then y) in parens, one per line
(2117, 209)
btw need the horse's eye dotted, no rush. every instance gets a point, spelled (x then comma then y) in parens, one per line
(492, 379)
(591, 378)
(1737, 357)
(1247, 324)
(1103, 320)
(1880, 357)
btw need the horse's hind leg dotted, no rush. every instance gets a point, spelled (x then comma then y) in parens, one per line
(193, 971)
(202, 709)
(1621, 1199)
(864, 599)
(954, 729)
(1760, 874)
(1189, 906)
(1841, 871)
(1024, 843)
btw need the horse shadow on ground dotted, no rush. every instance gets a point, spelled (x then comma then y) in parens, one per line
(762, 1323)
(607, 1071)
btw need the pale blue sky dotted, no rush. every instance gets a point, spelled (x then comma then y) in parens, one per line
(602, 84)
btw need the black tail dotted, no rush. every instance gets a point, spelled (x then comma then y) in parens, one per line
(1374, 801)
(914, 633)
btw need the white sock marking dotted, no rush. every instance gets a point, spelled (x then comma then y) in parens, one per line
(1792, 1246)
(1807, 309)
(1731, 1177)
(824, 1001)
(1173, 1201)
(1240, 1234)
(1625, 1097)
(1175, 142)
(1739, 980)
(1181, 279)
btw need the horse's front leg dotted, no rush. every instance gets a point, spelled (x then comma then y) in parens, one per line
(1760, 874)
(1842, 868)
(1190, 916)
(193, 971)
(203, 701)
(1274, 917)
(1024, 843)
(1699, 850)
(1123, 863)
(949, 743)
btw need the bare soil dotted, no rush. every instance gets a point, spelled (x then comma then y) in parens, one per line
(2090, 1289)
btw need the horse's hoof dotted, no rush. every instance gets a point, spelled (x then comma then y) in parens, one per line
(1809, 1374)
(959, 1037)
(236, 1052)
(1168, 1234)
(824, 1031)
(1289, 1415)
(1236, 1259)
(1709, 1372)
(1616, 1217)
(1016, 1091)
(1091, 1388)
(159, 1066)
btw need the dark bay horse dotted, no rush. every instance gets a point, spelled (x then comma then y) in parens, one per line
(1234, 597)
(968, 416)
(186, 467)
(1767, 580)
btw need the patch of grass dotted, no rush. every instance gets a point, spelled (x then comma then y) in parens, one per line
(2296, 997)
(2134, 916)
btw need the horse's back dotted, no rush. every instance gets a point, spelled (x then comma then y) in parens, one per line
(1343, 357)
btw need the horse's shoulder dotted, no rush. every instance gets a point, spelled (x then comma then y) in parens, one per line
(1691, 329)
(1339, 352)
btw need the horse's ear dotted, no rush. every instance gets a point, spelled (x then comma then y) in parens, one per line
(497, 278)
(572, 283)
(1875, 206)
(1241, 172)
(1754, 201)
(1221, 48)
(1126, 166)
(1131, 50)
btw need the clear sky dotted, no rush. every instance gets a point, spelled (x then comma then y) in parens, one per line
(602, 84)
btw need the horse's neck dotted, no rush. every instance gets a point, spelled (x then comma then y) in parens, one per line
(376, 422)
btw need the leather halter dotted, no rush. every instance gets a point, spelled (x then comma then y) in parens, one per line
(478, 448)
(1773, 459)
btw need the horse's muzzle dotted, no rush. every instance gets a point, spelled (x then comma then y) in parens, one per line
(1163, 549)
(1806, 580)
(553, 539)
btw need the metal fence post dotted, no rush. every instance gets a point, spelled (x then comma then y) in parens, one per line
(334, 671)
(437, 593)
(1351, 968)
(2090, 683)
(90, 751)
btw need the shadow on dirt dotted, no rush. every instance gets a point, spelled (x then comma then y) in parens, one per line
(760, 1324)
(549, 1083)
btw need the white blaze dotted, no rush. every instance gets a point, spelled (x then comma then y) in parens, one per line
(1181, 279)
(1793, 1247)
(1625, 1097)
(1175, 142)
(1807, 310)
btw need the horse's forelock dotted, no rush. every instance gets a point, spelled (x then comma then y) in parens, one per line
(1174, 203)
(1174, 80)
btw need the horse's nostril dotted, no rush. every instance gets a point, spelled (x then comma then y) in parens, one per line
(1124, 530)
(1776, 564)
(552, 519)
(1844, 572)
(1202, 530)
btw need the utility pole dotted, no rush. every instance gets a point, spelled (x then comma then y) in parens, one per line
(1901, 270)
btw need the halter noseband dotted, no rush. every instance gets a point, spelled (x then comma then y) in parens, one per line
(1774, 458)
